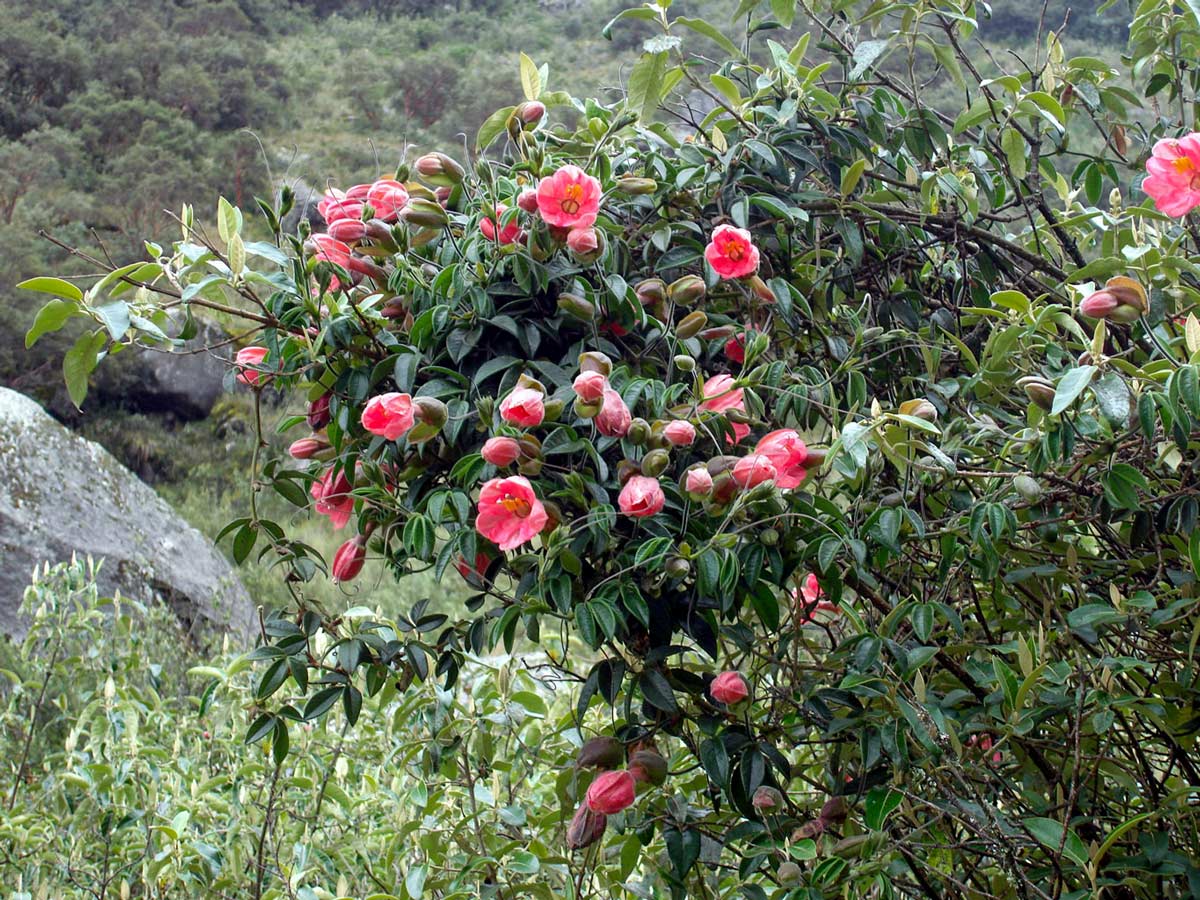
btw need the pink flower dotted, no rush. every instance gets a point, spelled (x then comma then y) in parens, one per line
(246, 358)
(348, 231)
(590, 386)
(811, 600)
(731, 252)
(698, 482)
(614, 418)
(337, 205)
(473, 574)
(525, 407)
(641, 497)
(329, 249)
(753, 470)
(389, 415)
(787, 453)
(501, 451)
(721, 396)
(509, 512)
(387, 197)
(680, 433)
(349, 559)
(528, 200)
(570, 198)
(358, 192)
(508, 234)
(1173, 182)
(333, 498)
(984, 742)
(735, 347)
(611, 792)
(583, 241)
(729, 688)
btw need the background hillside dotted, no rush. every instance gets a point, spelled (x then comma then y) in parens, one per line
(112, 114)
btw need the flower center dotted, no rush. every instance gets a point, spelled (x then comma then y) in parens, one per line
(572, 197)
(735, 250)
(519, 506)
(1184, 166)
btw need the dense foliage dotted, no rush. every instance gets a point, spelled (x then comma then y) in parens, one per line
(590, 371)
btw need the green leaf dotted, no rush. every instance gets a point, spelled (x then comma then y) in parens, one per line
(228, 220)
(1071, 386)
(784, 11)
(51, 317)
(657, 691)
(865, 56)
(531, 80)
(1049, 833)
(493, 126)
(880, 803)
(645, 84)
(702, 27)
(852, 175)
(1013, 146)
(55, 286)
(523, 863)
(79, 363)
(414, 882)
(115, 317)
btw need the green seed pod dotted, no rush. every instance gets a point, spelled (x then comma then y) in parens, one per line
(691, 325)
(630, 184)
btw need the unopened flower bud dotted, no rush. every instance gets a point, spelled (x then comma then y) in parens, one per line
(919, 408)
(626, 469)
(788, 873)
(632, 185)
(585, 244)
(651, 291)
(1028, 488)
(718, 333)
(655, 462)
(348, 231)
(318, 413)
(595, 361)
(767, 799)
(439, 169)
(576, 307)
(307, 448)
(1039, 390)
(600, 753)
(431, 411)
(687, 290)
(527, 200)
(425, 213)
(586, 827)
(691, 325)
(587, 410)
(685, 363)
(648, 767)
(422, 432)
(553, 409)
(393, 309)
(486, 407)
(1121, 299)
(677, 566)
(349, 559)
(760, 289)
(531, 112)
(698, 482)
(639, 432)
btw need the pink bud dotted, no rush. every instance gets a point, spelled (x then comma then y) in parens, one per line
(348, 231)
(583, 240)
(586, 827)
(246, 359)
(349, 559)
(1099, 305)
(501, 451)
(307, 448)
(681, 433)
(753, 470)
(531, 112)
(729, 688)
(698, 482)
(528, 200)
(611, 792)
(766, 799)
(590, 386)
(318, 413)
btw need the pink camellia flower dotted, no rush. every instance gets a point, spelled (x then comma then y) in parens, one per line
(984, 742)
(387, 197)
(501, 451)
(505, 234)
(641, 497)
(245, 359)
(1173, 182)
(509, 512)
(753, 470)
(811, 600)
(358, 192)
(680, 433)
(333, 497)
(583, 241)
(570, 198)
(590, 386)
(525, 407)
(337, 205)
(611, 792)
(614, 418)
(721, 396)
(731, 252)
(329, 249)
(389, 415)
(348, 231)
(528, 200)
(729, 688)
(787, 453)
(349, 559)
(698, 482)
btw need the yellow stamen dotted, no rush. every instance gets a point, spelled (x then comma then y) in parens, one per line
(516, 505)
(1183, 165)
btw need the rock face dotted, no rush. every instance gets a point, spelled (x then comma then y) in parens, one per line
(61, 494)
(184, 385)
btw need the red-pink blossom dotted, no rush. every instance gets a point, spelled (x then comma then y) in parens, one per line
(337, 205)
(306, 448)
(641, 497)
(389, 415)
(812, 600)
(570, 198)
(473, 574)
(719, 395)
(508, 234)
(735, 347)
(349, 558)
(247, 358)
(787, 453)
(387, 197)
(509, 512)
(333, 497)
(698, 481)
(501, 451)
(1173, 181)
(614, 418)
(680, 433)
(729, 688)
(348, 231)
(329, 249)
(731, 252)
(524, 407)
(753, 470)
(611, 792)
(583, 241)
(590, 386)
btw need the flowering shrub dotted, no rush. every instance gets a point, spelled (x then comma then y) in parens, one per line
(817, 388)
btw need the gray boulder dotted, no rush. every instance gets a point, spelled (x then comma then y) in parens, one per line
(62, 495)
